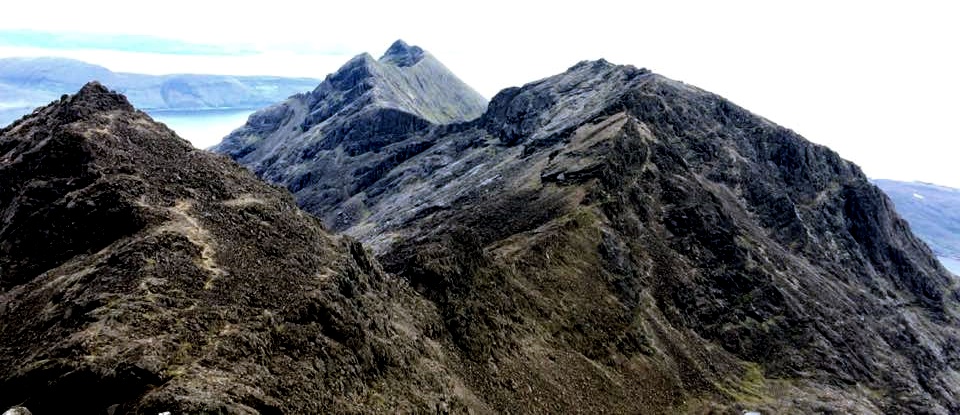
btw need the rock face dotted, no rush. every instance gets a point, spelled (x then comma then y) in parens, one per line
(356, 113)
(139, 275)
(933, 212)
(608, 239)
(26, 83)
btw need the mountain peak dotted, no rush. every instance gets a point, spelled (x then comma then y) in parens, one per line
(91, 99)
(406, 83)
(402, 54)
(599, 64)
(95, 97)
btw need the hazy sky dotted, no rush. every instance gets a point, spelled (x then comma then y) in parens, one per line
(876, 81)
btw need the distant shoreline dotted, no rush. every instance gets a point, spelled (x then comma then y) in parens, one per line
(202, 109)
(20, 112)
(951, 264)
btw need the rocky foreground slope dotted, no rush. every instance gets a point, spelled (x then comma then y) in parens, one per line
(608, 239)
(140, 275)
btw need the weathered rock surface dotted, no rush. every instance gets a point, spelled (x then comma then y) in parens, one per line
(140, 275)
(356, 112)
(608, 239)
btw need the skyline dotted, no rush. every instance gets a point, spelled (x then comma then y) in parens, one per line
(872, 81)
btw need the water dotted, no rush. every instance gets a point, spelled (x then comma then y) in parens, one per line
(203, 128)
(953, 265)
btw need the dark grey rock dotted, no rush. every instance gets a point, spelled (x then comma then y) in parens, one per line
(678, 243)
(606, 240)
(402, 54)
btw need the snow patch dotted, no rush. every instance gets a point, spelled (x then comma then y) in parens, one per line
(918, 196)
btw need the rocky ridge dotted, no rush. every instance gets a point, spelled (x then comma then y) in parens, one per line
(609, 239)
(140, 275)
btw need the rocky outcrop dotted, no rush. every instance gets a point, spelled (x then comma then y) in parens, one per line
(609, 239)
(140, 275)
(354, 116)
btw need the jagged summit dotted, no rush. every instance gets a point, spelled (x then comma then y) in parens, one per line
(93, 98)
(547, 109)
(402, 54)
(361, 108)
(597, 64)
(95, 93)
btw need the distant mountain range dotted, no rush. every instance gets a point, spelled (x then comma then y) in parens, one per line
(26, 83)
(933, 212)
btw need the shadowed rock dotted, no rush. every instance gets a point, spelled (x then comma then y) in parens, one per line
(402, 54)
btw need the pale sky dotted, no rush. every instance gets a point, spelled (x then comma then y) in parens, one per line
(876, 81)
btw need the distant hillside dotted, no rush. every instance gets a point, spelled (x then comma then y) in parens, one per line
(933, 212)
(27, 83)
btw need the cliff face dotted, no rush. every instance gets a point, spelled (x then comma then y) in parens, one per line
(139, 275)
(610, 239)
